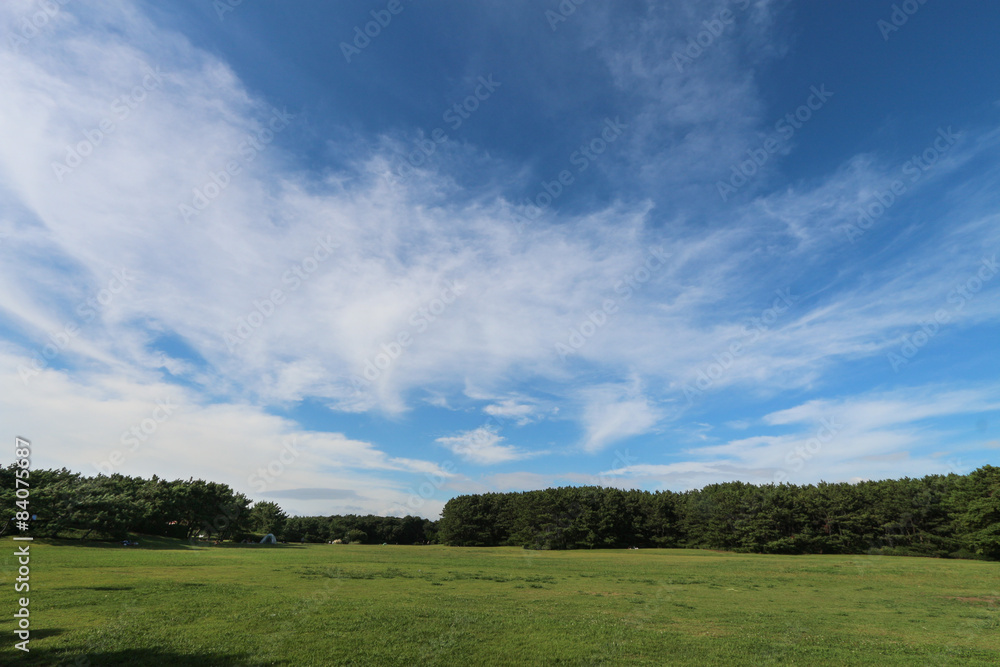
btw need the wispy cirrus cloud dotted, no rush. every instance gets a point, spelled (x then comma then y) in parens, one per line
(834, 439)
(508, 408)
(616, 412)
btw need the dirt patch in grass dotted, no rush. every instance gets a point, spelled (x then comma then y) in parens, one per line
(988, 601)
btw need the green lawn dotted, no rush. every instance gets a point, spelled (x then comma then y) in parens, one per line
(166, 603)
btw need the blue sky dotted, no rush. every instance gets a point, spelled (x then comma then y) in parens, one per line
(500, 245)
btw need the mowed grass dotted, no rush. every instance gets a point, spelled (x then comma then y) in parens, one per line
(166, 603)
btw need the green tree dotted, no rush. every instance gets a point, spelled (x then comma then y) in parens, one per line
(976, 502)
(267, 517)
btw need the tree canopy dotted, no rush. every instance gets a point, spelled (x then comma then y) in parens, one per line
(951, 515)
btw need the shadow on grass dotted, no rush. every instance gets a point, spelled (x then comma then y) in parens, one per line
(145, 543)
(155, 543)
(138, 656)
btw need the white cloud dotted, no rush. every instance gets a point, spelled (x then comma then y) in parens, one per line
(612, 413)
(871, 436)
(397, 250)
(98, 423)
(482, 446)
(521, 413)
(893, 408)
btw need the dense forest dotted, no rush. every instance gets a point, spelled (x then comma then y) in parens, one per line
(67, 504)
(939, 515)
(944, 516)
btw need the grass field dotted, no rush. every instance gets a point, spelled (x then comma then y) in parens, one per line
(166, 603)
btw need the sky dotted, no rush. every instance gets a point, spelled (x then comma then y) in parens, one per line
(364, 257)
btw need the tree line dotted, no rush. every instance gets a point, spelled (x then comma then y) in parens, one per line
(938, 515)
(68, 504)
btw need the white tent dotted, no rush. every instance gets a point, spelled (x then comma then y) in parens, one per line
(268, 539)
